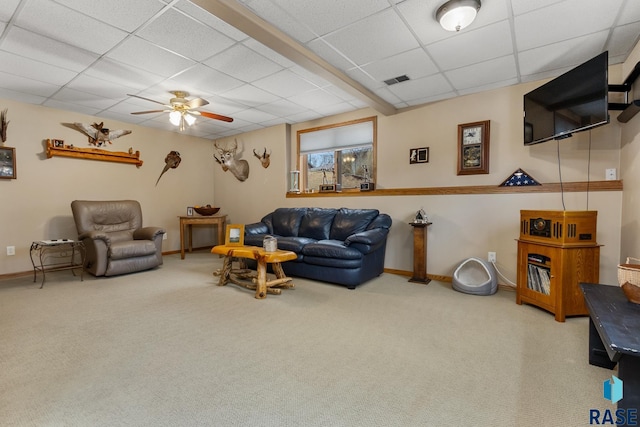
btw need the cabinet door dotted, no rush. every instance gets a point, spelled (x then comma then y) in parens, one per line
(537, 272)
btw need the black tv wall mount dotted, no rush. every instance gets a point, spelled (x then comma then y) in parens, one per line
(629, 109)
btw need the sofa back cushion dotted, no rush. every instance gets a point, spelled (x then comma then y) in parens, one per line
(286, 221)
(350, 221)
(381, 221)
(316, 223)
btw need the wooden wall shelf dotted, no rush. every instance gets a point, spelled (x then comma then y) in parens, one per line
(93, 154)
(554, 187)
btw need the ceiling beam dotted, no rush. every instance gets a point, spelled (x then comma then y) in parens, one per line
(262, 31)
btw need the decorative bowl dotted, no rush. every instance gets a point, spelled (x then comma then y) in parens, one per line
(206, 210)
(632, 292)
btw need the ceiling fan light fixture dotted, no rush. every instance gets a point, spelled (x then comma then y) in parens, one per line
(175, 118)
(189, 119)
(455, 15)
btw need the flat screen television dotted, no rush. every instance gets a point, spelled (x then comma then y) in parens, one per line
(573, 102)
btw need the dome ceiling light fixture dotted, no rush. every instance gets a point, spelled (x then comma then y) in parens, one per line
(455, 15)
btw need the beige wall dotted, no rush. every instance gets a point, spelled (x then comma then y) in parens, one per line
(630, 173)
(36, 205)
(463, 225)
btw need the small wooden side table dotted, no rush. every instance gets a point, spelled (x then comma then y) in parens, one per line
(189, 221)
(420, 252)
(260, 284)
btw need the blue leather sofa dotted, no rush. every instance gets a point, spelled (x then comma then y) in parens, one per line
(343, 246)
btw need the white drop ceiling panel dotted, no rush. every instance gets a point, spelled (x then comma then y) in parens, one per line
(563, 21)
(250, 96)
(243, 63)
(126, 15)
(201, 80)
(7, 9)
(46, 50)
(126, 75)
(362, 45)
(414, 63)
(324, 17)
(483, 73)
(315, 99)
(60, 23)
(280, 18)
(560, 57)
(421, 88)
(266, 62)
(186, 36)
(142, 54)
(29, 68)
(492, 41)
(284, 83)
(22, 84)
(102, 88)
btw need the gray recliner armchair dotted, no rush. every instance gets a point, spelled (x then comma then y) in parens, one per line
(115, 241)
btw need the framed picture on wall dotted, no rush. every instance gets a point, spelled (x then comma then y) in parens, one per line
(419, 155)
(473, 148)
(7, 163)
(235, 235)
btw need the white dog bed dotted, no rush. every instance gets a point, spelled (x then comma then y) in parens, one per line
(475, 276)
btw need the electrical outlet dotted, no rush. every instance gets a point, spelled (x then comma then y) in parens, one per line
(11, 250)
(164, 236)
(610, 175)
(491, 256)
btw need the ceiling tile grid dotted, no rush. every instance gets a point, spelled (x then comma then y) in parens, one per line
(266, 62)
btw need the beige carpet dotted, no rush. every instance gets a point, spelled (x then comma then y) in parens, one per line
(170, 348)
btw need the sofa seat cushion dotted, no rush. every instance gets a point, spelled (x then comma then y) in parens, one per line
(294, 244)
(131, 248)
(332, 249)
(333, 262)
(120, 236)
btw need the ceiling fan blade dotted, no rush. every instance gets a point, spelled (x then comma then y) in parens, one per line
(212, 116)
(151, 111)
(150, 100)
(197, 102)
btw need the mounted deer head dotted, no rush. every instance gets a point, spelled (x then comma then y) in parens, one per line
(238, 167)
(265, 158)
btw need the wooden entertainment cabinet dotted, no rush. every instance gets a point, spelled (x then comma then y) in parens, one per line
(556, 252)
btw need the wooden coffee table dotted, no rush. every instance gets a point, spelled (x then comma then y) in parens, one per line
(259, 281)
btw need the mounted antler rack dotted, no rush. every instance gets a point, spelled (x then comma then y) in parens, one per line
(57, 148)
(629, 109)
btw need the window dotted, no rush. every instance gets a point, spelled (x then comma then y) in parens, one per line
(343, 154)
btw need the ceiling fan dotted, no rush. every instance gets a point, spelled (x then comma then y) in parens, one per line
(182, 110)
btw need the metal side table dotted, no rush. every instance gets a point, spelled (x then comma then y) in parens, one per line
(56, 255)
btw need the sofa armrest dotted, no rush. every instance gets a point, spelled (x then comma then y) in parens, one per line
(95, 235)
(369, 237)
(147, 233)
(367, 241)
(256, 228)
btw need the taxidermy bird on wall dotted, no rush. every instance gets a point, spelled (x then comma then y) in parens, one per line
(172, 161)
(98, 134)
(3, 125)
